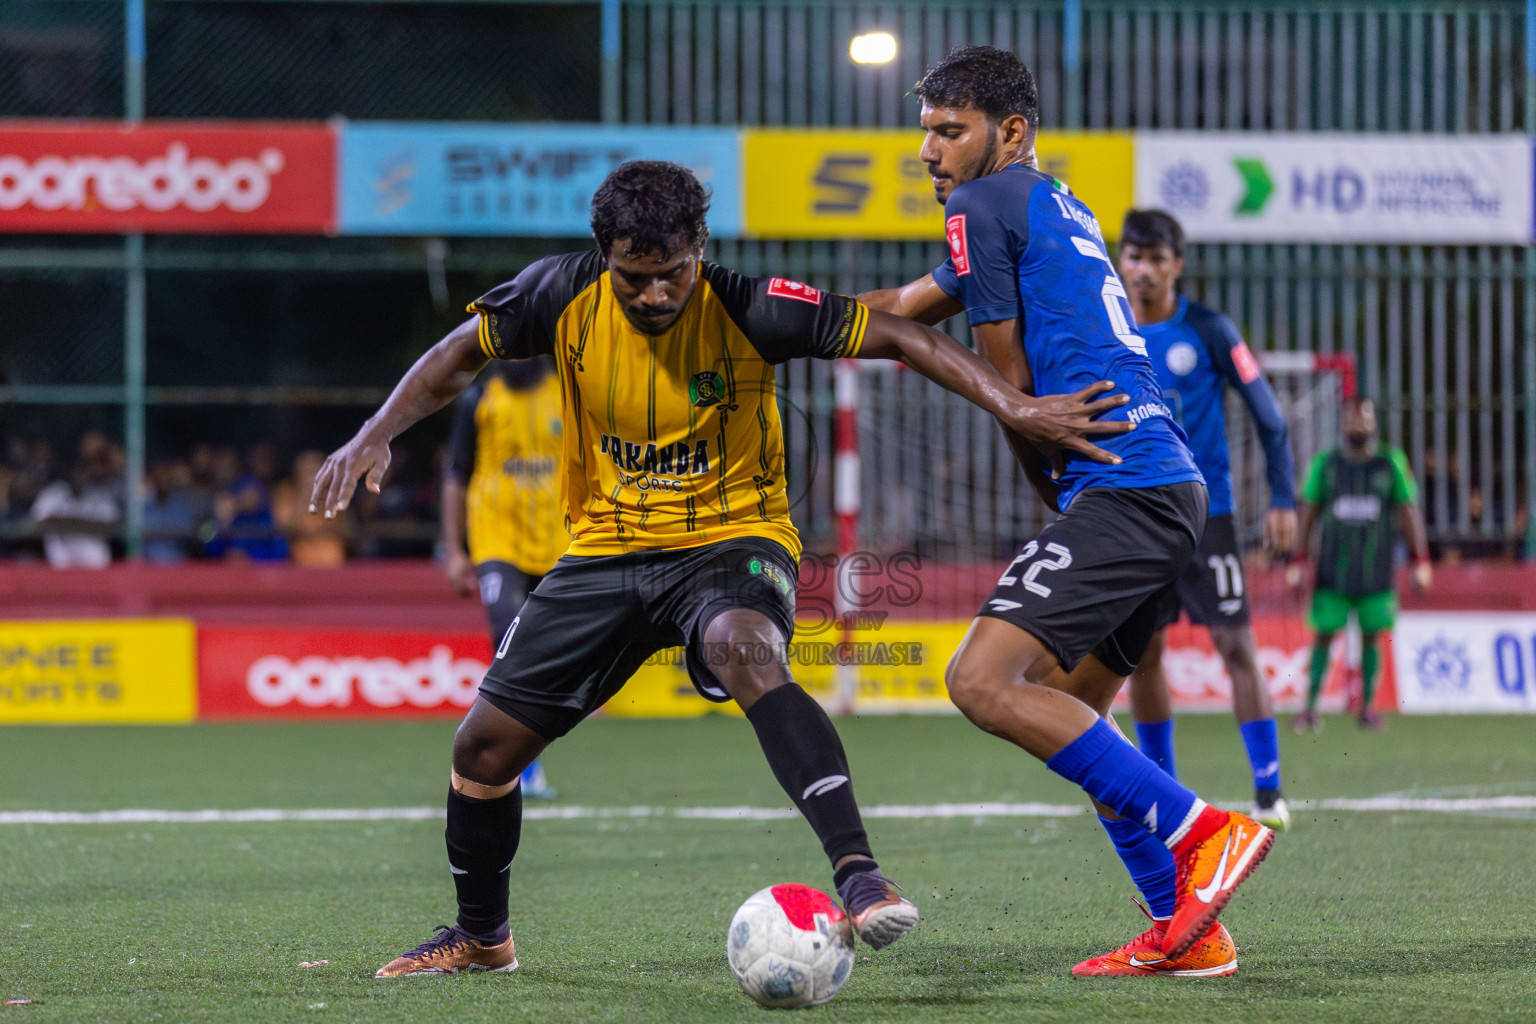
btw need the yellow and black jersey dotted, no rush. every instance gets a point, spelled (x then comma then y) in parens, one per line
(506, 449)
(671, 440)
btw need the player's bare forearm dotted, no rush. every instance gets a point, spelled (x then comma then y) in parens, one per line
(1411, 521)
(1052, 421)
(1028, 458)
(442, 373)
(921, 300)
(1304, 531)
(451, 514)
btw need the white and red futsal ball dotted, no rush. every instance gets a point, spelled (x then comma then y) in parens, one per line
(790, 946)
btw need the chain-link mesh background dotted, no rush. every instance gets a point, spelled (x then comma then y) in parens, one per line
(1443, 335)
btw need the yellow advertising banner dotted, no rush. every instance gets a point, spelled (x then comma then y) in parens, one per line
(845, 183)
(897, 666)
(98, 671)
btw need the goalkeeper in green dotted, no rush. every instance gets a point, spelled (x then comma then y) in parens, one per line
(1362, 493)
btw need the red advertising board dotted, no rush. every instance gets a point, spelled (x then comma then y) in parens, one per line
(1198, 681)
(167, 177)
(297, 672)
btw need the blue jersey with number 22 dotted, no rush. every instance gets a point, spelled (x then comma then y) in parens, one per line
(1022, 246)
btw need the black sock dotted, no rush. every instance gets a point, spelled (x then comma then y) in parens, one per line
(482, 840)
(807, 758)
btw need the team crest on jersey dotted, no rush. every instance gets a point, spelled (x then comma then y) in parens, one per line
(959, 245)
(784, 288)
(706, 389)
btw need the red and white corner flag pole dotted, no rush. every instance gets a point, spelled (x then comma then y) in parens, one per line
(845, 503)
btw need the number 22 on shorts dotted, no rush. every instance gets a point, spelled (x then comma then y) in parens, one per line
(1030, 576)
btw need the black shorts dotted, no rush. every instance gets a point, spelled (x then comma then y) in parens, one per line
(1210, 589)
(503, 589)
(1096, 579)
(593, 620)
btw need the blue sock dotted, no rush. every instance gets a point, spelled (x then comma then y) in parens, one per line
(1121, 778)
(1149, 862)
(1262, 738)
(1156, 740)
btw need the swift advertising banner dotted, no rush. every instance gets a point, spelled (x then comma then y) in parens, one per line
(844, 183)
(513, 179)
(100, 177)
(1335, 187)
(108, 671)
(1450, 662)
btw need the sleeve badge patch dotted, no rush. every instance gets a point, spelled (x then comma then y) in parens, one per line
(1247, 366)
(783, 288)
(959, 247)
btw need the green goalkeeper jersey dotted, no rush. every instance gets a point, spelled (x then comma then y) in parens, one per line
(1357, 504)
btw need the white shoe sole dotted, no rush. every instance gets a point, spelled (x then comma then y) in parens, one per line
(438, 972)
(1219, 971)
(1277, 817)
(888, 924)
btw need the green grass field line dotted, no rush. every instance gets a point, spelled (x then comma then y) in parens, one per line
(1381, 916)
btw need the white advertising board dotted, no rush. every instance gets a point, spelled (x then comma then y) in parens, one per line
(1450, 662)
(1337, 187)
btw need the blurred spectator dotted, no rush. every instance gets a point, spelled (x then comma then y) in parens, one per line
(392, 518)
(312, 540)
(78, 514)
(243, 512)
(201, 487)
(169, 521)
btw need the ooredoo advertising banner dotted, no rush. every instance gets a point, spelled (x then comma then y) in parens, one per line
(1474, 662)
(167, 177)
(1337, 187)
(514, 179)
(98, 671)
(292, 672)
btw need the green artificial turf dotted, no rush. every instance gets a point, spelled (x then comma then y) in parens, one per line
(1355, 916)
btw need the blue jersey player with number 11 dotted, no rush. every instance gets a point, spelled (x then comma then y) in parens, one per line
(1074, 612)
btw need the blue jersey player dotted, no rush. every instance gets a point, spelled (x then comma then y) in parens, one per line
(1073, 614)
(1198, 354)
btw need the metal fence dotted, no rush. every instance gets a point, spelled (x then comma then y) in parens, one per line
(1443, 334)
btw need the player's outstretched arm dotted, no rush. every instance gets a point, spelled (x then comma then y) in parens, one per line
(921, 300)
(439, 376)
(1410, 520)
(1051, 423)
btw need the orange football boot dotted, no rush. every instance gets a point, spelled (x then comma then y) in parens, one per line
(449, 952)
(1212, 956)
(1217, 855)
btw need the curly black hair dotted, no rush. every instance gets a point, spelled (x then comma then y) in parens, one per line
(993, 80)
(658, 206)
(1146, 229)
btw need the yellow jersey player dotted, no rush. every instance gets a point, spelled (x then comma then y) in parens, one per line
(680, 525)
(502, 487)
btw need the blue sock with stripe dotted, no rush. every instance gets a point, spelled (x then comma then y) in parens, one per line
(1262, 738)
(1123, 779)
(1149, 862)
(1156, 740)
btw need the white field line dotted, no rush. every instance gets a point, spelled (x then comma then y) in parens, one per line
(1463, 805)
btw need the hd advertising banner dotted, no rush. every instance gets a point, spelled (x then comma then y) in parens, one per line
(167, 177)
(1336, 187)
(842, 183)
(1450, 662)
(513, 179)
